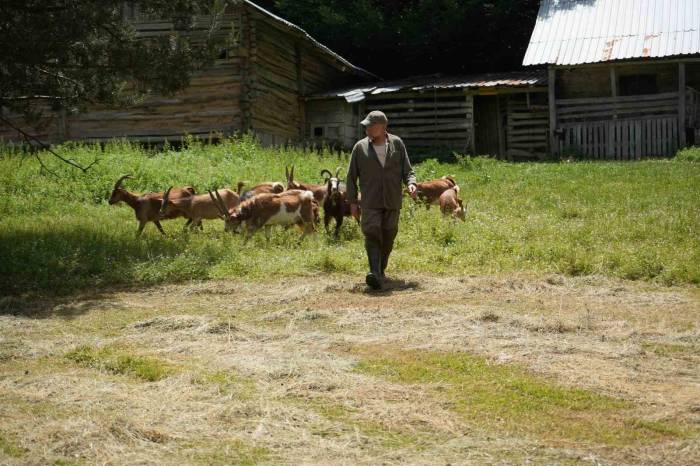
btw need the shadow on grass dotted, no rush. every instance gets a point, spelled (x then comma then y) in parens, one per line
(389, 287)
(67, 261)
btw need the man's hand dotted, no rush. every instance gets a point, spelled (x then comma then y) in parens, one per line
(412, 191)
(355, 211)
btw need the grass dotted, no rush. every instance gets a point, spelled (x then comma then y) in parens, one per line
(119, 362)
(9, 448)
(507, 398)
(351, 420)
(638, 221)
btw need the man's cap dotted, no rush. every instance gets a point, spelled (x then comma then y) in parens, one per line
(375, 116)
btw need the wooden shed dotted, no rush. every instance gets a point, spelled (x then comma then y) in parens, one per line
(623, 75)
(502, 114)
(265, 68)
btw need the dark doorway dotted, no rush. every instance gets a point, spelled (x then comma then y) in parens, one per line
(486, 127)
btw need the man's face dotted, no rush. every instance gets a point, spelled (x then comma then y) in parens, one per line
(375, 130)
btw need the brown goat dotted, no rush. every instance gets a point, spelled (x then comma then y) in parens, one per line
(269, 187)
(147, 206)
(450, 203)
(429, 191)
(264, 210)
(319, 190)
(200, 207)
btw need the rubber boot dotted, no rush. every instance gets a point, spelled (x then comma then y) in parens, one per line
(385, 262)
(373, 279)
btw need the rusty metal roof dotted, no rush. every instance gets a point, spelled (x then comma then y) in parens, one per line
(525, 78)
(572, 32)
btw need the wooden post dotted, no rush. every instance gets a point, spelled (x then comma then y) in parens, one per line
(681, 104)
(472, 127)
(613, 88)
(499, 127)
(613, 81)
(300, 91)
(553, 143)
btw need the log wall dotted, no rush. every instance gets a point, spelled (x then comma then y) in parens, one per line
(258, 84)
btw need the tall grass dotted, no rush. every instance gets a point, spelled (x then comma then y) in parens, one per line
(58, 234)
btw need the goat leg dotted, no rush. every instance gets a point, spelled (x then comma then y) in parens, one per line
(159, 226)
(338, 224)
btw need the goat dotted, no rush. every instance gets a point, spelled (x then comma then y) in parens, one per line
(319, 190)
(294, 207)
(147, 206)
(199, 207)
(429, 191)
(335, 203)
(272, 187)
(450, 203)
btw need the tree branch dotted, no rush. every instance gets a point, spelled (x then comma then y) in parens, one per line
(28, 137)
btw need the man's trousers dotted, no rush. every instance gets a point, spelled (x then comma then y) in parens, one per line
(380, 227)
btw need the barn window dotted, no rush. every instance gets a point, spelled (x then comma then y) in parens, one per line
(318, 131)
(638, 84)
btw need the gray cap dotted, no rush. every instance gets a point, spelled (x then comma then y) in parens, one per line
(375, 116)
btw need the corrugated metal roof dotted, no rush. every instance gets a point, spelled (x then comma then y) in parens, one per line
(316, 43)
(572, 32)
(524, 78)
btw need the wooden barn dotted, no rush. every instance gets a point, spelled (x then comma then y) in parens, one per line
(623, 75)
(265, 68)
(502, 114)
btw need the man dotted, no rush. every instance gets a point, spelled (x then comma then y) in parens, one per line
(381, 163)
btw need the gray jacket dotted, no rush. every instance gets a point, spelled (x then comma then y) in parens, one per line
(381, 186)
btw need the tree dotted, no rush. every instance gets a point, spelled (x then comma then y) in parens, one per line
(399, 38)
(65, 54)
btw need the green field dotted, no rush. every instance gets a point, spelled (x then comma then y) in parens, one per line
(557, 325)
(639, 221)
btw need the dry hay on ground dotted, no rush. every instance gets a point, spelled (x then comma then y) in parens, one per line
(274, 373)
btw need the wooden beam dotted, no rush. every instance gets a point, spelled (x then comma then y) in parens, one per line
(552, 111)
(681, 104)
(472, 128)
(613, 88)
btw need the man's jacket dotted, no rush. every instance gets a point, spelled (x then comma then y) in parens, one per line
(381, 186)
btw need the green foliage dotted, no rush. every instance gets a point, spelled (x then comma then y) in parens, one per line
(688, 154)
(632, 220)
(72, 53)
(119, 362)
(427, 35)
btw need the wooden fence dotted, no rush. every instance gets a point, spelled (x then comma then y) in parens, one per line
(619, 128)
(527, 127)
(430, 118)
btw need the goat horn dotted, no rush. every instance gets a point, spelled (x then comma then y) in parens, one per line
(291, 174)
(216, 203)
(223, 204)
(337, 171)
(164, 202)
(286, 173)
(330, 175)
(120, 180)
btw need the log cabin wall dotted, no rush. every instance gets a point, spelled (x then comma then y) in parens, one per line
(266, 67)
(288, 68)
(334, 122)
